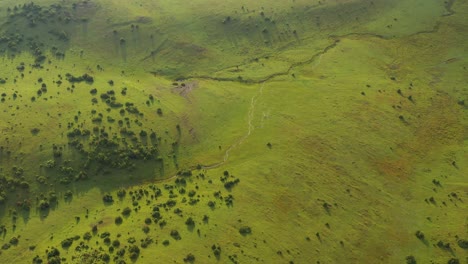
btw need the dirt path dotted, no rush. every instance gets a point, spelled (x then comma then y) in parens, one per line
(250, 128)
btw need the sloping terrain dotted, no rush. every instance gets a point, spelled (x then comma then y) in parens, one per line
(233, 132)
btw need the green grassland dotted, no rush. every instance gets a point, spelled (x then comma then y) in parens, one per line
(233, 131)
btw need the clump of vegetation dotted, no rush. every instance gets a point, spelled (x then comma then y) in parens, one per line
(463, 243)
(245, 230)
(50, 164)
(134, 251)
(189, 222)
(442, 245)
(105, 257)
(216, 250)
(410, 260)
(230, 184)
(83, 78)
(185, 173)
(14, 241)
(87, 236)
(67, 243)
(107, 198)
(120, 252)
(118, 220)
(146, 242)
(419, 235)
(175, 234)
(43, 204)
(126, 211)
(190, 258)
(37, 260)
(35, 131)
(116, 243)
(121, 193)
(53, 256)
(105, 234)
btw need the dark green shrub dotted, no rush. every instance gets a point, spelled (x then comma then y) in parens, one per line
(463, 243)
(116, 243)
(190, 222)
(121, 193)
(107, 198)
(121, 252)
(410, 260)
(67, 242)
(53, 253)
(419, 235)
(216, 250)
(14, 241)
(105, 257)
(126, 211)
(175, 235)
(190, 258)
(87, 236)
(105, 234)
(245, 230)
(134, 251)
(44, 204)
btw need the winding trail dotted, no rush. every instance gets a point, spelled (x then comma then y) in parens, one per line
(315, 58)
(250, 128)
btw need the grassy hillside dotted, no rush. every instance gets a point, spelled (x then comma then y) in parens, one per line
(233, 132)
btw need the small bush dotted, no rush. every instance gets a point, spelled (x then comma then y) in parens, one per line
(118, 220)
(410, 260)
(175, 234)
(190, 258)
(190, 222)
(67, 242)
(107, 198)
(14, 241)
(116, 243)
(463, 243)
(87, 236)
(126, 211)
(245, 230)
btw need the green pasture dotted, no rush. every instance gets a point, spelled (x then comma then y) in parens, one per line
(233, 131)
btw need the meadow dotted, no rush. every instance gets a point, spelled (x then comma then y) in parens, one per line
(332, 131)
